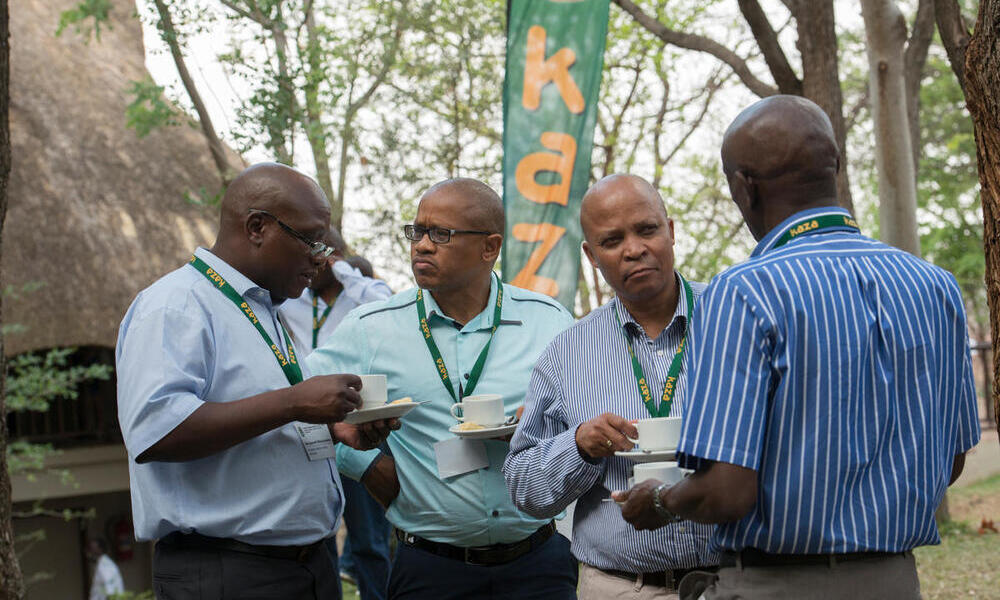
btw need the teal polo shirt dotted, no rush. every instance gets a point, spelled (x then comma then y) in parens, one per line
(384, 337)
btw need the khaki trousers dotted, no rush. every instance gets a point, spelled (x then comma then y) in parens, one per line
(595, 584)
(882, 578)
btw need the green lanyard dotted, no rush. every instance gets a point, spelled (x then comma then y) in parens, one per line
(812, 224)
(318, 321)
(289, 365)
(669, 387)
(477, 369)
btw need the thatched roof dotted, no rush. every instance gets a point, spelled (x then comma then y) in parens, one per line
(94, 213)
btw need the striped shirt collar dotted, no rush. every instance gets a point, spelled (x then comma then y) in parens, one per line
(633, 327)
(768, 241)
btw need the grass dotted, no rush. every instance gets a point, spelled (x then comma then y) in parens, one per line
(350, 592)
(964, 565)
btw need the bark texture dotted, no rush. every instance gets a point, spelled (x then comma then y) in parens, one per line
(817, 43)
(885, 30)
(11, 582)
(982, 94)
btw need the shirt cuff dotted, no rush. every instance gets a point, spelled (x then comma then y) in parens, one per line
(355, 463)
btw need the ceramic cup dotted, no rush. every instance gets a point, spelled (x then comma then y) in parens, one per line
(373, 391)
(660, 433)
(485, 409)
(667, 472)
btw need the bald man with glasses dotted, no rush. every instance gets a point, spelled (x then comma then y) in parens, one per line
(230, 441)
(460, 535)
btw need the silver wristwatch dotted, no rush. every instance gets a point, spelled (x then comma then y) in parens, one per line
(658, 505)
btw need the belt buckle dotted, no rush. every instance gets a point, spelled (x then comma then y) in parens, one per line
(303, 554)
(468, 558)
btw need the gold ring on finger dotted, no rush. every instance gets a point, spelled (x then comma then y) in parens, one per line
(608, 443)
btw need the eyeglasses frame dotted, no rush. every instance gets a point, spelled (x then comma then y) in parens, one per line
(316, 247)
(427, 232)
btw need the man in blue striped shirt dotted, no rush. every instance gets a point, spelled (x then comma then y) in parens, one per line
(584, 392)
(833, 380)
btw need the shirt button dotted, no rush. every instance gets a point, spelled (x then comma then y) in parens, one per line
(496, 513)
(659, 352)
(466, 375)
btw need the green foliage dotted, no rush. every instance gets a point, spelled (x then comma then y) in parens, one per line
(148, 108)
(34, 380)
(98, 10)
(146, 595)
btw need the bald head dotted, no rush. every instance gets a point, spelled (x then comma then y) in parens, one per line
(273, 187)
(483, 206)
(780, 157)
(612, 193)
(782, 137)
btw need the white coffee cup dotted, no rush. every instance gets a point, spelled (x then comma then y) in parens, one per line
(485, 409)
(656, 434)
(666, 472)
(373, 391)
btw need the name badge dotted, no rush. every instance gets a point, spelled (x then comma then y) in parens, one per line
(459, 456)
(316, 440)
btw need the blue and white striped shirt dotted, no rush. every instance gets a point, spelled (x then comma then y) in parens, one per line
(837, 367)
(583, 373)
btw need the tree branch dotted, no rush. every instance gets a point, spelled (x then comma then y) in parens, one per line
(767, 40)
(914, 59)
(699, 43)
(954, 35)
(169, 35)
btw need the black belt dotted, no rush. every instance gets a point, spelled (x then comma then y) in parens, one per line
(669, 578)
(202, 542)
(496, 554)
(752, 557)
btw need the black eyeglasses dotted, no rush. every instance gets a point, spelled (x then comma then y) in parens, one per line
(316, 248)
(438, 235)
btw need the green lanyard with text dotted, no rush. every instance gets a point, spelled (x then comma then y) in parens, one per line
(289, 365)
(670, 386)
(319, 321)
(477, 369)
(810, 224)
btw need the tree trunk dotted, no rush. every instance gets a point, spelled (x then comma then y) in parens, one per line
(817, 43)
(315, 129)
(169, 35)
(11, 582)
(982, 95)
(885, 30)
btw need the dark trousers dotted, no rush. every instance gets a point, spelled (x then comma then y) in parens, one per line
(548, 572)
(211, 574)
(366, 550)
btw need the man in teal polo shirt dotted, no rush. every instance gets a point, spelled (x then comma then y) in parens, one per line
(460, 535)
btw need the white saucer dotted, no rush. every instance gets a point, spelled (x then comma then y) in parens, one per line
(482, 434)
(642, 456)
(387, 411)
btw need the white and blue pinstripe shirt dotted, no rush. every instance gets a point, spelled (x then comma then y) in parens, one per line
(837, 367)
(584, 372)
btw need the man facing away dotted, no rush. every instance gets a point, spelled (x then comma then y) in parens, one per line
(835, 392)
(460, 333)
(339, 287)
(229, 441)
(584, 392)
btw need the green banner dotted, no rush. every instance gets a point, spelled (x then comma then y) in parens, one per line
(555, 54)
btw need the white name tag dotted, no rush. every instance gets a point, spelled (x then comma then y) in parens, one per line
(316, 440)
(459, 456)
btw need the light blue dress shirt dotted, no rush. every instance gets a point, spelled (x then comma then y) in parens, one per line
(297, 313)
(182, 343)
(586, 372)
(467, 510)
(838, 369)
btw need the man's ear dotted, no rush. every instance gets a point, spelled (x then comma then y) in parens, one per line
(589, 254)
(254, 229)
(491, 247)
(743, 191)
